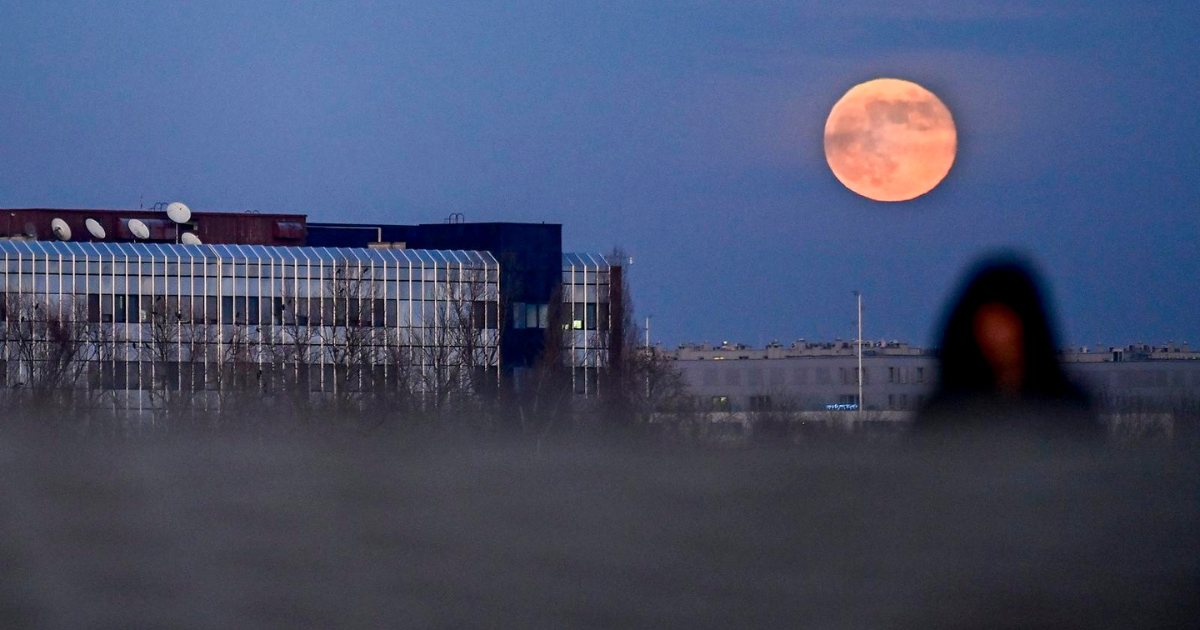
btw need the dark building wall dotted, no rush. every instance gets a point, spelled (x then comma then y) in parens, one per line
(616, 305)
(530, 252)
(244, 228)
(530, 257)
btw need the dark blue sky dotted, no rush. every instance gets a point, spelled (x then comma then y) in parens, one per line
(688, 133)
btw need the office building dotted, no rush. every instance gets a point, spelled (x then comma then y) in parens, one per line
(348, 306)
(897, 377)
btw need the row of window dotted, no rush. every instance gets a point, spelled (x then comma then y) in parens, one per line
(904, 374)
(54, 285)
(578, 316)
(529, 315)
(584, 276)
(410, 353)
(253, 310)
(1147, 378)
(188, 376)
(763, 402)
(821, 376)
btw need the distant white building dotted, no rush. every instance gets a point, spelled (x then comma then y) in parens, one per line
(806, 375)
(1139, 376)
(814, 376)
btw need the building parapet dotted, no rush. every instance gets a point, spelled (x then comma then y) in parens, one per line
(796, 349)
(847, 348)
(1169, 351)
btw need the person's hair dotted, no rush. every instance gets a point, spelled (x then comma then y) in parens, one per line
(1009, 281)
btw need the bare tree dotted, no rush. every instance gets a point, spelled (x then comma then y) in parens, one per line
(47, 347)
(350, 342)
(637, 381)
(341, 348)
(292, 350)
(544, 399)
(175, 343)
(475, 311)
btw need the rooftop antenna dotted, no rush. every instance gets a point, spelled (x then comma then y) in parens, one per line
(190, 239)
(139, 230)
(456, 217)
(95, 228)
(61, 230)
(178, 213)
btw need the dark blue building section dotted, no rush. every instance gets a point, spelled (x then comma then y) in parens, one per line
(530, 256)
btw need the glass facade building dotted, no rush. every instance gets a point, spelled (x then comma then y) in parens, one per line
(586, 293)
(144, 317)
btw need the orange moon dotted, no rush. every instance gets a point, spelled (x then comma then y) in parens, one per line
(890, 140)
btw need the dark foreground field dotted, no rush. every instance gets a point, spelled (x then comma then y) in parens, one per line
(360, 532)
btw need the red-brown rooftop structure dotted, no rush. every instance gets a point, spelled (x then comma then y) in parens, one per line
(245, 228)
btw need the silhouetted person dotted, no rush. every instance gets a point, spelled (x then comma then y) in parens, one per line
(999, 367)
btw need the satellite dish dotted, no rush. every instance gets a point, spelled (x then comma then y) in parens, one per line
(179, 212)
(95, 228)
(61, 230)
(139, 229)
(187, 238)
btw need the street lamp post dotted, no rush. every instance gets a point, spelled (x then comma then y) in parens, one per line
(648, 356)
(860, 341)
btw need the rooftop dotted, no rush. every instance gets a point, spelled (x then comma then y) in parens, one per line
(1169, 351)
(153, 251)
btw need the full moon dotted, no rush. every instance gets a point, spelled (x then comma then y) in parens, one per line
(890, 140)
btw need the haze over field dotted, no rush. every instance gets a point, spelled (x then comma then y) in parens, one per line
(277, 533)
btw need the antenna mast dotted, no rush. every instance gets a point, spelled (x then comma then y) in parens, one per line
(860, 371)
